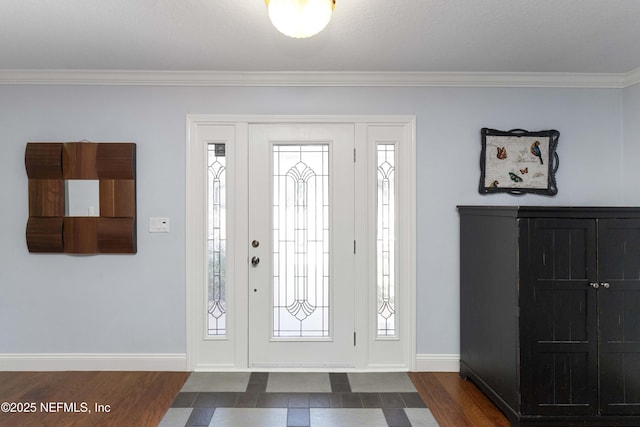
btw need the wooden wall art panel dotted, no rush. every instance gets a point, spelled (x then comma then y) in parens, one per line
(79, 160)
(43, 160)
(117, 198)
(44, 234)
(116, 235)
(49, 164)
(46, 197)
(116, 161)
(81, 235)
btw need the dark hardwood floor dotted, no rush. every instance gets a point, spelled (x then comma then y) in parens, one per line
(455, 402)
(142, 398)
(133, 398)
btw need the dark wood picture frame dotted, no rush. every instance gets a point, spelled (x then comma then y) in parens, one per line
(518, 162)
(49, 164)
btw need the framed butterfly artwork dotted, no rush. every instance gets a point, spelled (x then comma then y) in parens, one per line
(518, 162)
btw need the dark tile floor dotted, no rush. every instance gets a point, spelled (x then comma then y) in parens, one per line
(261, 399)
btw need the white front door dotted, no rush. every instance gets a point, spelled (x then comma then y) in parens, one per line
(302, 289)
(326, 205)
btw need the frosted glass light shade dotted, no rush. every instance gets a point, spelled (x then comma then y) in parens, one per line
(300, 18)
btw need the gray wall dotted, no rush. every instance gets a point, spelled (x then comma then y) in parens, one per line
(631, 154)
(136, 304)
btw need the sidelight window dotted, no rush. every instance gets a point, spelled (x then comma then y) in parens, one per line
(386, 237)
(216, 240)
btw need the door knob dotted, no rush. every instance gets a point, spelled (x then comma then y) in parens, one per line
(594, 285)
(255, 261)
(605, 285)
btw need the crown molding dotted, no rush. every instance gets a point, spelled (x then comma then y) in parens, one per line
(313, 78)
(632, 78)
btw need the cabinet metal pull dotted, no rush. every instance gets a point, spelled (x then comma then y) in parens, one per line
(594, 285)
(605, 285)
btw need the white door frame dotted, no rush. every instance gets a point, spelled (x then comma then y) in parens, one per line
(202, 129)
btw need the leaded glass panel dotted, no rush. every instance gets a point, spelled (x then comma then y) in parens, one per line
(386, 199)
(301, 240)
(216, 240)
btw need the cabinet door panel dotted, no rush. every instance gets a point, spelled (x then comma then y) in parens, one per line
(619, 266)
(562, 382)
(563, 319)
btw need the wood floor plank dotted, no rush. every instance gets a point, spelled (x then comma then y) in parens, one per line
(455, 402)
(473, 402)
(444, 409)
(128, 398)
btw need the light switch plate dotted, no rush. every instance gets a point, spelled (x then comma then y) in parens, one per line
(158, 225)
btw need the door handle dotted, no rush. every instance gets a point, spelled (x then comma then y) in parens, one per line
(594, 285)
(255, 261)
(605, 285)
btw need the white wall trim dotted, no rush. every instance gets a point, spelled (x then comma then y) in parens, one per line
(317, 78)
(438, 363)
(165, 362)
(93, 362)
(632, 78)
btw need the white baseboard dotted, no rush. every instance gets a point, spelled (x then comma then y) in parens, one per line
(93, 362)
(159, 362)
(437, 363)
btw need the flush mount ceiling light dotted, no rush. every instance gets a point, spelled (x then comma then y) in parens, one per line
(300, 18)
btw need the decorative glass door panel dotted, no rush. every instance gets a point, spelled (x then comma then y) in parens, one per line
(301, 240)
(216, 240)
(301, 226)
(385, 256)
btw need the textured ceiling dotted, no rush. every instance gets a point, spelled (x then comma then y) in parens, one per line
(529, 36)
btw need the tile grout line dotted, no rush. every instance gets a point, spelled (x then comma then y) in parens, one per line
(298, 404)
